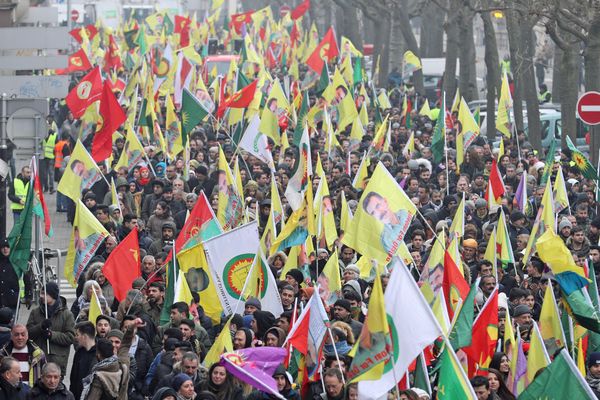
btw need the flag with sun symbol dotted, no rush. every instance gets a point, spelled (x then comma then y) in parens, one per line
(581, 162)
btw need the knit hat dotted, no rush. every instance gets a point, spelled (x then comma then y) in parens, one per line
(253, 301)
(296, 274)
(471, 243)
(521, 309)
(593, 359)
(179, 380)
(564, 223)
(138, 283)
(115, 333)
(344, 304)
(52, 290)
(352, 268)
(6, 315)
(480, 203)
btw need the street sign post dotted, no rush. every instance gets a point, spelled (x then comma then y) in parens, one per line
(588, 108)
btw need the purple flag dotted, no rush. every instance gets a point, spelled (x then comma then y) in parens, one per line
(520, 200)
(255, 366)
(520, 379)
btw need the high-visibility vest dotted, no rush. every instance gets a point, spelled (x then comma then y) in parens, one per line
(49, 143)
(58, 153)
(20, 192)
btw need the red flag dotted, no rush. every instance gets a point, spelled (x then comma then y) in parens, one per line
(485, 337)
(118, 86)
(78, 61)
(237, 20)
(454, 284)
(295, 34)
(495, 184)
(123, 265)
(112, 58)
(325, 51)
(196, 223)
(182, 27)
(300, 10)
(240, 99)
(39, 203)
(87, 91)
(111, 117)
(90, 29)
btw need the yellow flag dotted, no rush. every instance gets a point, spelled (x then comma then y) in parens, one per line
(343, 101)
(550, 326)
(537, 357)
(411, 62)
(347, 48)
(384, 100)
(374, 340)
(382, 217)
(330, 282)
(504, 118)
(457, 229)
(173, 130)
(269, 234)
(276, 205)
(360, 180)
(87, 235)
(182, 290)
(580, 357)
(269, 125)
(456, 101)
(561, 199)
(425, 110)
(95, 308)
(292, 261)
(295, 231)
(345, 215)
(222, 344)
(324, 209)
(553, 251)
(192, 260)
(81, 173)
(468, 127)
(230, 212)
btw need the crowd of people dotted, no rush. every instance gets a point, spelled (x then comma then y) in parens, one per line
(126, 353)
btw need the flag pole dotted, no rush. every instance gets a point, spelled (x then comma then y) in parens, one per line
(337, 357)
(443, 110)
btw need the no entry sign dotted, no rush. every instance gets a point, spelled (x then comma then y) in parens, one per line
(588, 108)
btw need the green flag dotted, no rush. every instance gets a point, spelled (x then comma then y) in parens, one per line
(19, 238)
(172, 274)
(141, 40)
(594, 338)
(299, 128)
(560, 380)
(581, 161)
(549, 162)
(580, 308)
(452, 380)
(323, 81)
(437, 141)
(168, 25)
(421, 375)
(462, 331)
(192, 113)
(357, 76)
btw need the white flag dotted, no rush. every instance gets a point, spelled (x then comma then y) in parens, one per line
(412, 328)
(256, 143)
(230, 257)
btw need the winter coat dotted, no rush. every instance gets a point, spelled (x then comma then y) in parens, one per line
(83, 361)
(9, 284)
(63, 332)
(37, 359)
(8, 391)
(4, 335)
(143, 358)
(40, 392)
(110, 377)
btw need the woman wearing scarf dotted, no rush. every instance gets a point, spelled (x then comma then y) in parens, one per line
(220, 383)
(274, 337)
(81, 307)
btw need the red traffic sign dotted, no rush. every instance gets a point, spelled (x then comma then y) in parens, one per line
(283, 10)
(588, 108)
(74, 15)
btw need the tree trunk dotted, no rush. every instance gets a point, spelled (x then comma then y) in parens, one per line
(386, 28)
(568, 88)
(534, 126)
(351, 26)
(452, 46)
(467, 80)
(401, 16)
(592, 75)
(432, 32)
(397, 44)
(493, 74)
(514, 44)
(556, 76)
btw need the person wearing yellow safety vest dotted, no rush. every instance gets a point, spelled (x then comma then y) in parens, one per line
(17, 192)
(47, 161)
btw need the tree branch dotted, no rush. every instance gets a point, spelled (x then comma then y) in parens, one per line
(569, 28)
(574, 18)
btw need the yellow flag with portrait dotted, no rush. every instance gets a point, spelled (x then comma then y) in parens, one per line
(81, 173)
(382, 217)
